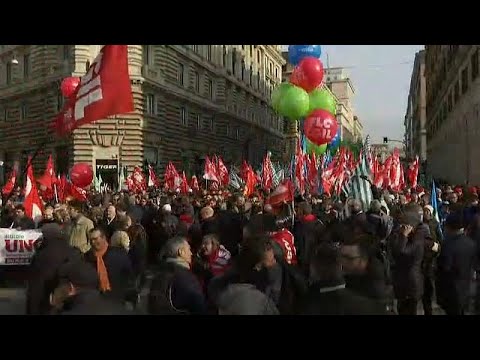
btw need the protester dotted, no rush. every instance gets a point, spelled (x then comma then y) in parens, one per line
(21, 221)
(80, 228)
(43, 270)
(115, 273)
(175, 290)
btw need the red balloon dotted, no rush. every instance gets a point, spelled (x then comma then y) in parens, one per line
(320, 127)
(69, 85)
(81, 175)
(308, 74)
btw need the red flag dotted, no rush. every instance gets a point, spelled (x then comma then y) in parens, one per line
(222, 172)
(103, 91)
(250, 182)
(299, 168)
(312, 174)
(33, 204)
(283, 192)
(152, 178)
(49, 178)
(412, 172)
(61, 188)
(194, 184)
(139, 181)
(244, 170)
(184, 188)
(10, 185)
(76, 192)
(267, 173)
(210, 172)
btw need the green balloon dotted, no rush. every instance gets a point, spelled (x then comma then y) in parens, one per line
(322, 99)
(294, 103)
(316, 149)
(278, 93)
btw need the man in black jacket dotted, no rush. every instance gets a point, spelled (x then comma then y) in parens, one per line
(175, 290)
(77, 293)
(22, 222)
(53, 252)
(305, 233)
(407, 246)
(328, 294)
(455, 267)
(365, 274)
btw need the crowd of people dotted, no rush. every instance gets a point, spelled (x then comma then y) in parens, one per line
(221, 253)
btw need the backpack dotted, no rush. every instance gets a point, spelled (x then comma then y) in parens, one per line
(160, 296)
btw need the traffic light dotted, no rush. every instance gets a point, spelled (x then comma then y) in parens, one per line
(385, 140)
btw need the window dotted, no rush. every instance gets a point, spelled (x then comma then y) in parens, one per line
(195, 48)
(237, 134)
(150, 106)
(23, 112)
(258, 80)
(227, 130)
(66, 52)
(26, 65)
(474, 64)
(234, 61)
(60, 102)
(2, 114)
(147, 54)
(224, 55)
(9, 73)
(181, 71)
(457, 91)
(212, 124)
(5, 114)
(199, 121)
(243, 47)
(258, 57)
(250, 82)
(210, 88)
(464, 80)
(183, 113)
(276, 72)
(243, 70)
(209, 52)
(197, 82)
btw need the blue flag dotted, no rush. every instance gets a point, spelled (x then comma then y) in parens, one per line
(434, 201)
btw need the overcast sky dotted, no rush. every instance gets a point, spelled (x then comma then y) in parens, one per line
(380, 75)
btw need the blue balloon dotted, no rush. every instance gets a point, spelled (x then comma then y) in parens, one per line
(297, 52)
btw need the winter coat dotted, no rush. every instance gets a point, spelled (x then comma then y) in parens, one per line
(79, 233)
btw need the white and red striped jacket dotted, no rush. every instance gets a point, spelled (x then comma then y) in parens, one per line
(219, 261)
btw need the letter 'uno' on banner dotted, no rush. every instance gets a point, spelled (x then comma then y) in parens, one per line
(17, 247)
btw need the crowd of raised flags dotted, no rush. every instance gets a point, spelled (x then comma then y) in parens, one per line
(331, 174)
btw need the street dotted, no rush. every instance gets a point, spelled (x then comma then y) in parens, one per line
(12, 301)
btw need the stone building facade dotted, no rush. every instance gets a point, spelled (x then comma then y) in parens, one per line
(190, 101)
(453, 112)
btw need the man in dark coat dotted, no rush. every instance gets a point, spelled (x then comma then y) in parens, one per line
(175, 290)
(407, 246)
(52, 253)
(455, 267)
(121, 278)
(305, 232)
(365, 274)
(328, 294)
(22, 221)
(77, 293)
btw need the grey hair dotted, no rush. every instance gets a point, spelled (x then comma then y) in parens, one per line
(172, 247)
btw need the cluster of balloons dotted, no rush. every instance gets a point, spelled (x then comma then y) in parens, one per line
(305, 97)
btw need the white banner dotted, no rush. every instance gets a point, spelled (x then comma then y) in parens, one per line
(17, 247)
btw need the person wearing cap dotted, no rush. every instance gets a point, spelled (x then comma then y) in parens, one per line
(455, 266)
(42, 279)
(431, 251)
